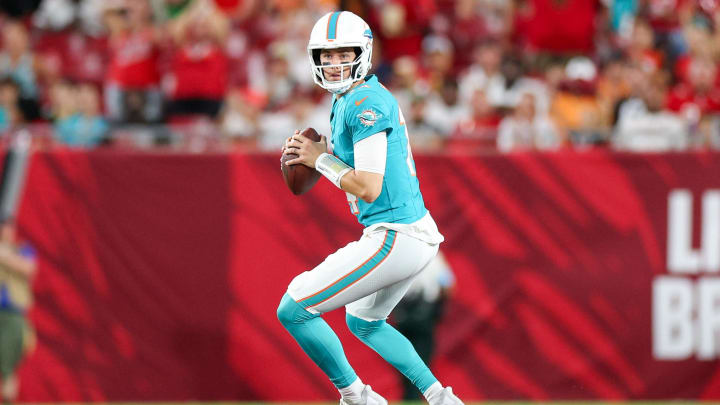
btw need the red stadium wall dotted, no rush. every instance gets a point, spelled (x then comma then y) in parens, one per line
(160, 276)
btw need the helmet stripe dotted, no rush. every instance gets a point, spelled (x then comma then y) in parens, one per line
(332, 25)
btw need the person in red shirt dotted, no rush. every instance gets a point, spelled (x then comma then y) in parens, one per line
(699, 96)
(700, 43)
(563, 26)
(402, 24)
(199, 68)
(133, 78)
(479, 132)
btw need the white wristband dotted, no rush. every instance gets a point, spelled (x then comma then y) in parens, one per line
(331, 167)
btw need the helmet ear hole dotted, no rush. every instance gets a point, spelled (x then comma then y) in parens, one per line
(356, 66)
(316, 56)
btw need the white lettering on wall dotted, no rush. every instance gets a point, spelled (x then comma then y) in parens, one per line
(682, 258)
(672, 318)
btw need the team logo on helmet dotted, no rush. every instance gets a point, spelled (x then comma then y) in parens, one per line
(368, 117)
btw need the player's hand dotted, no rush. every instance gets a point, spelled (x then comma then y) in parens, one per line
(307, 150)
(287, 141)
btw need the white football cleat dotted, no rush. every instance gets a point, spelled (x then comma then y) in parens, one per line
(369, 397)
(446, 397)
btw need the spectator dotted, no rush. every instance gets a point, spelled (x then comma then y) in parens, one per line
(438, 56)
(279, 84)
(475, 20)
(444, 111)
(406, 83)
(18, 62)
(424, 136)
(468, 24)
(700, 96)
(131, 89)
(526, 129)
(516, 83)
(575, 109)
(554, 75)
(300, 114)
(613, 86)
(641, 51)
(62, 101)
(503, 79)
(241, 117)
(199, 67)
(17, 268)
(84, 127)
(484, 74)
(10, 113)
(643, 123)
(700, 45)
(401, 26)
(479, 132)
(566, 26)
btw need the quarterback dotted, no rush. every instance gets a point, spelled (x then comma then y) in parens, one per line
(371, 161)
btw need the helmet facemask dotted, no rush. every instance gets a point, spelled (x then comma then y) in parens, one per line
(356, 67)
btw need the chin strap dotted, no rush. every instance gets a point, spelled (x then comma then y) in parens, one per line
(331, 167)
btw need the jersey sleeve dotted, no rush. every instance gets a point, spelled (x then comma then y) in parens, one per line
(368, 114)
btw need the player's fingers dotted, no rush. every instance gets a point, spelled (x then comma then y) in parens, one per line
(295, 161)
(290, 150)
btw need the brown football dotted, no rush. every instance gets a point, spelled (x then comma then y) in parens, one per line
(300, 178)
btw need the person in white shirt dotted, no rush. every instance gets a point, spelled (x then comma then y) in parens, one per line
(526, 129)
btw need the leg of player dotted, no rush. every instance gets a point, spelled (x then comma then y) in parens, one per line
(357, 270)
(322, 345)
(366, 320)
(398, 351)
(302, 320)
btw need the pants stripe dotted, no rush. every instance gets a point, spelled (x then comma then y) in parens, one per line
(355, 275)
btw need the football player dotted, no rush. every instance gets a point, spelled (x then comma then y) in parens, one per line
(371, 161)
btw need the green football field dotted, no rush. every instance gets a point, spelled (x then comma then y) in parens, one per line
(424, 403)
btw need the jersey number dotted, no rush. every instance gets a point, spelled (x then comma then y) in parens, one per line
(410, 161)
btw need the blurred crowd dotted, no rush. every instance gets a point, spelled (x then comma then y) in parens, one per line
(469, 75)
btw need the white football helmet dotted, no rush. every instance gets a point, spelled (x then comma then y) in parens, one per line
(340, 29)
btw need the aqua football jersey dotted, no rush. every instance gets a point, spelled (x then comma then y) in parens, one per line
(364, 111)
